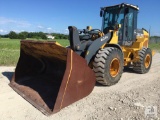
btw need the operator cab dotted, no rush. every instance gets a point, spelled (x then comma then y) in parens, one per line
(124, 15)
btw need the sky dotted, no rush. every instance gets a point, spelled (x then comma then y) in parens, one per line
(56, 15)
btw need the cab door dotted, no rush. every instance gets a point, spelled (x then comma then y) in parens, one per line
(130, 24)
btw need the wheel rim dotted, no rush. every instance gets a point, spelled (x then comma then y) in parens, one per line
(114, 67)
(147, 61)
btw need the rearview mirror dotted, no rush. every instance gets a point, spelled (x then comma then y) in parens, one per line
(101, 13)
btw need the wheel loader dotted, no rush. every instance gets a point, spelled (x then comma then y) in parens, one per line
(52, 77)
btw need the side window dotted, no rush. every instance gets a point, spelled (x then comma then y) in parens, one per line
(130, 26)
(121, 22)
(106, 20)
(130, 17)
(128, 20)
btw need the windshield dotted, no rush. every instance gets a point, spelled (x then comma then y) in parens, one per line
(112, 16)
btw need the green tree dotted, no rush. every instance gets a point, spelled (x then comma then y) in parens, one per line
(57, 37)
(42, 35)
(30, 35)
(25, 34)
(13, 35)
(21, 36)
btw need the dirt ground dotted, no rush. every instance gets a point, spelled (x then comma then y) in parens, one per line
(135, 97)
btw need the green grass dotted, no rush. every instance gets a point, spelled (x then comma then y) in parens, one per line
(155, 46)
(63, 42)
(10, 50)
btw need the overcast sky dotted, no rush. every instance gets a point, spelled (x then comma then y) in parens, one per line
(57, 15)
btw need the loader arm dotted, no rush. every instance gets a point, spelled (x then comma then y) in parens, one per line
(96, 45)
(73, 38)
(86, 48)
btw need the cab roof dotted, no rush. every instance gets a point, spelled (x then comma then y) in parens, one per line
(122, 5)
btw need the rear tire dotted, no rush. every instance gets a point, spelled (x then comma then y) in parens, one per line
(108, 66)
(145, 61)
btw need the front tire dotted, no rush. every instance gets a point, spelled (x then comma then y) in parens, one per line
(108, 66)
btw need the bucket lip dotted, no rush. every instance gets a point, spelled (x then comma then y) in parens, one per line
(43, 109)
(37, 41)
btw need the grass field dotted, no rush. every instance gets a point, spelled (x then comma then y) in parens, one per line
(155, 46)
(10, 50)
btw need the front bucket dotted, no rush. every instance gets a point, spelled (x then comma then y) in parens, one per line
(51, 77)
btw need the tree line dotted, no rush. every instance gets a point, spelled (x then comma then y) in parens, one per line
(35, 35)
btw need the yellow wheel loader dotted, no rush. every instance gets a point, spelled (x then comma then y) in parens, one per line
(52, 77)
